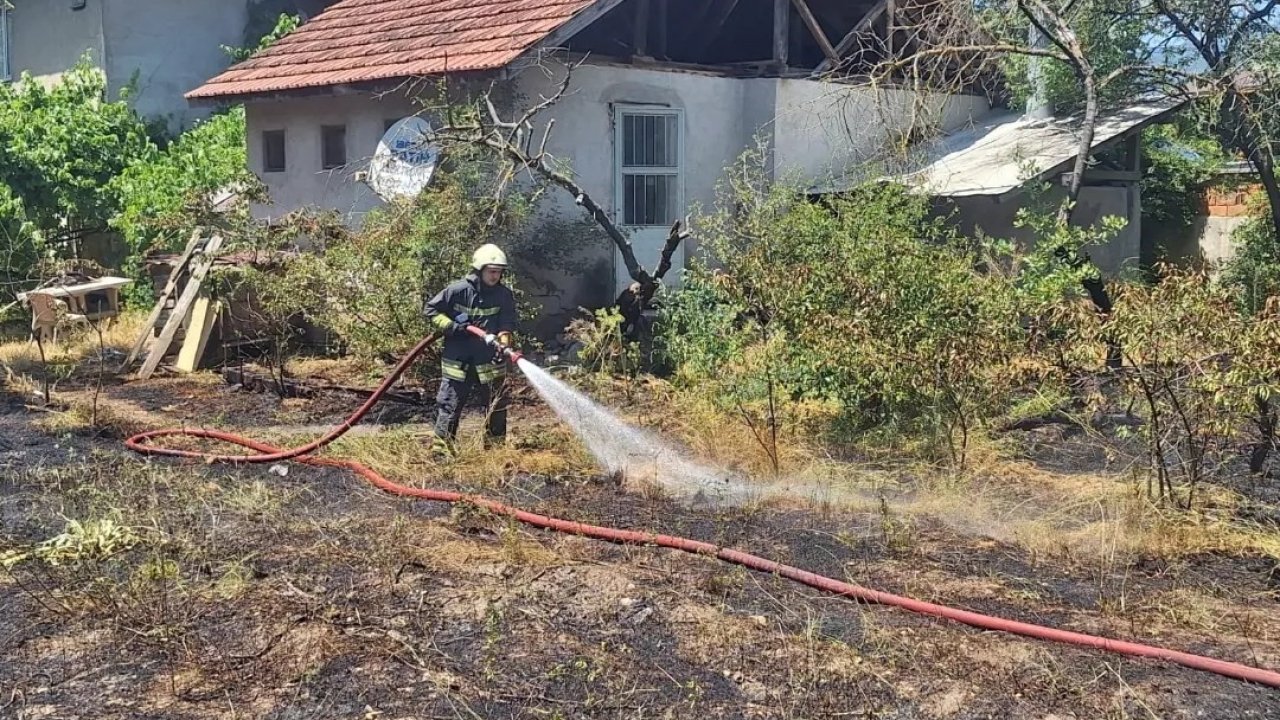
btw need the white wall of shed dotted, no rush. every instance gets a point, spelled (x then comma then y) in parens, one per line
(304, 183)
(827, 130)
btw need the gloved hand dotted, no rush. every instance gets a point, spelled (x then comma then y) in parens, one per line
(459, 325)
(504, 342)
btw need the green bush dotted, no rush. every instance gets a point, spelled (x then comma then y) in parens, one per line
(368, 287)
(165, 194)
(1254, 270)
(60, 148)
(864, 300)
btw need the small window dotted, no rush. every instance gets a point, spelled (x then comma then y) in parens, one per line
(649, 156)
(273, 151)
(4, 43)
(333, 150)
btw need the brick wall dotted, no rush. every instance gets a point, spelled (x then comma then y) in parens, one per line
(1228, 201)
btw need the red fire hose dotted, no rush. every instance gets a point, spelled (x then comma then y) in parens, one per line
(268, 453)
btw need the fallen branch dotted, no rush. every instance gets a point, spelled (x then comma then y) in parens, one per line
(261, 382)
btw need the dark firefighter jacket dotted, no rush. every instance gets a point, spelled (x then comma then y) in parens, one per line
(492, 309)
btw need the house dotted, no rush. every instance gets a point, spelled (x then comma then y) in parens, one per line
(170, 46)
(667, 95)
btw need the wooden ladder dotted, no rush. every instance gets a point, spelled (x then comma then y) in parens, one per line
(199, 255)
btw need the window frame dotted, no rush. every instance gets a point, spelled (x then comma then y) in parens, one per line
(284, 151)
(621, 111)
(6, 44)
(326, 162)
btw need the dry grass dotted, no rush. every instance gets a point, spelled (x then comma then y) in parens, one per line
(1101, 519)
(75, 345)
(402, 455)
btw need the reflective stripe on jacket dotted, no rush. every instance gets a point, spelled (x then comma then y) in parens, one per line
(492, 309)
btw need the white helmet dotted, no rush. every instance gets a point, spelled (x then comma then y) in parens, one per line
(488, 254)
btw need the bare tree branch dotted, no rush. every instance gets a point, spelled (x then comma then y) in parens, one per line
(512, 142)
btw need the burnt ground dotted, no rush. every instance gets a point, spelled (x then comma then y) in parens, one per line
(249, 595)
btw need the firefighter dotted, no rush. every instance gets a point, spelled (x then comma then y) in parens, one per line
(466, 362)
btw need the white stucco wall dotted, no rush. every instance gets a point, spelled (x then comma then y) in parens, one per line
(305, 183)
(825, 130)
(995, 217)
(172, 45)
(48, 37)
(810, 124)
(716, 129)
(1207, 243)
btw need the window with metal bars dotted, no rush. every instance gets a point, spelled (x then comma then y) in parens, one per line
(649, 164)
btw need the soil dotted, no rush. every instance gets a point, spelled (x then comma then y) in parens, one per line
(315, 596)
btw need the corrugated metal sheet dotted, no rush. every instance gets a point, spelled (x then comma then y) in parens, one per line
(1005, 152)
(363, 40)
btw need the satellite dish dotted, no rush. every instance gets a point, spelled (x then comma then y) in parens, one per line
(405, 160)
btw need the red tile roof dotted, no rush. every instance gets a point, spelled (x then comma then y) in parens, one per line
(362, 40)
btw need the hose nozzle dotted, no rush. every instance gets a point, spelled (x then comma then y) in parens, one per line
(492, 341)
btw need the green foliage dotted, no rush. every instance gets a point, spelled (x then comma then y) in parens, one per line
(604, 348)
(80, 542)
(166, 194)
(285, 24)
(1178, 160)
(1109, 37)
(368, 287)
(77, 162)
(864, 301)
(1254, 269)
(1183, 337)
(60, 148)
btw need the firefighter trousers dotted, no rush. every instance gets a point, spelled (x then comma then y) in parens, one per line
(454, 394)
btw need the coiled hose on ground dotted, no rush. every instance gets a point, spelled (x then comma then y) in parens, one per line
(268, 454)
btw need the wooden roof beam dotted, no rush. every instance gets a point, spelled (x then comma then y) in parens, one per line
(846, 44)
(816, 30)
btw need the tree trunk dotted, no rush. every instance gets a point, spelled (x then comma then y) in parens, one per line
(1095, 286)
(1238, 129)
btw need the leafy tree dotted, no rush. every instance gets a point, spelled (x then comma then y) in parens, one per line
(1178, 160)
(368, 286)
(165, 194)
(60, 149)
(285, 24)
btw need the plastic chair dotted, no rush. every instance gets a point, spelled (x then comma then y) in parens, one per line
(48, 314)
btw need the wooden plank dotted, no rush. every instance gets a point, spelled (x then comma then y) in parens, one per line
(848, 41)
(576, 25)
(816, 30)
(715, 23)
(640, 42)
(890, 24)
(781, 32)
(203, 313)
(660, 40)
(199, 270)
(169, 287)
